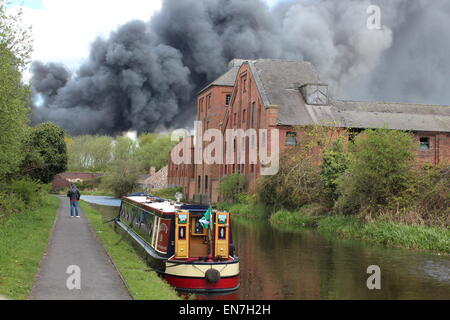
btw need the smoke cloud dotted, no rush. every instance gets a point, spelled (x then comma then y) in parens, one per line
(145, 76)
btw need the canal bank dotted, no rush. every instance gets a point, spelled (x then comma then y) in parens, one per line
(284, 263)
(24, 237)
(390, 234)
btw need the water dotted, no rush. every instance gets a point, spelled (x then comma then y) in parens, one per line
(282, 264)
(102, 201)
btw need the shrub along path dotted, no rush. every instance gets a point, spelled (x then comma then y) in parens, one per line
(74, 244)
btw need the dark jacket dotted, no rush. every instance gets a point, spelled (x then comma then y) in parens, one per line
(74, 194)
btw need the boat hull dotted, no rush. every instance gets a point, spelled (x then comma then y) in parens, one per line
(192, 277)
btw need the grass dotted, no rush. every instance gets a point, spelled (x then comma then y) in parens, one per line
(24, 239)
(389, 233)
(144, 284)
(307, 216)
(244, 210)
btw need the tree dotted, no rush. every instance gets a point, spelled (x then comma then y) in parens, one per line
(335, 163)
(298, 182)
(124, 149)
(379, 169)
(15, 52)
(231, 187)
(90, 153)
(46, 153)
(121, 177)
(153, 151)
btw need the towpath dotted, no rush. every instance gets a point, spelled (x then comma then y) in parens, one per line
(74, 245)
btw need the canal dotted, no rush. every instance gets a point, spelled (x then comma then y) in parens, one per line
(283, 264)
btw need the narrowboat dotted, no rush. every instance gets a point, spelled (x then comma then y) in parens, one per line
(190, 246)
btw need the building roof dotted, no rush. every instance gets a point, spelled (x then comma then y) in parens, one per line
(228, 78)
(159, 180)
(278, 82)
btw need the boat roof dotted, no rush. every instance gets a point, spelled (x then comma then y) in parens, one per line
(165, 206)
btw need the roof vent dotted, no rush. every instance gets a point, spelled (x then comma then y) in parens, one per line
(315, 94)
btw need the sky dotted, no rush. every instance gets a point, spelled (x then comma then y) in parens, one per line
(64, 29)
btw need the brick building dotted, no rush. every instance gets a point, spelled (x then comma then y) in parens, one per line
(64, 180)
(278, 94)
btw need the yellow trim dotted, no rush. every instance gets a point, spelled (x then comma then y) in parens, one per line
(182, 245)
(222, 245)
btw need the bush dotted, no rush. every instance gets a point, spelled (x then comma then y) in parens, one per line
(32, 193)
(121, 178)
(298, 182)
(45, 153)
(335, 163)
(426, 201)
(379, 170)
(10, 203)
(231, 187)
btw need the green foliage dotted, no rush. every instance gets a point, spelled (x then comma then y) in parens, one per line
(298, 182)
(231, 186)
(32, 193)
(153, 151)
(24, 238)
(46, 153)
(15, 50)
(121, 177)
(124, 149)
(15, 37)
(379, 169)
(97, 153)
(90, 153)
(389, 233)
(10, 203)
(335, 163)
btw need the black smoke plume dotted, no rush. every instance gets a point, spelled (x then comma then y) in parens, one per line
(145, 76)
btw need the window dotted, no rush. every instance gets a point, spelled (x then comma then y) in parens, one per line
(235, 118)
(228, 99)
(264, 140)
(201, 105)
(425, 144)
(208, 102)
(206, 183)
(291, 138)
(199, 184)
(253, 115)
(244, 85)
(244, 116)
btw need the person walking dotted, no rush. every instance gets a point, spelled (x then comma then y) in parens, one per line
(74, 195)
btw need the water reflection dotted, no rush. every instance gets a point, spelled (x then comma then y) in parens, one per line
(289, 264)
(283, 264)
